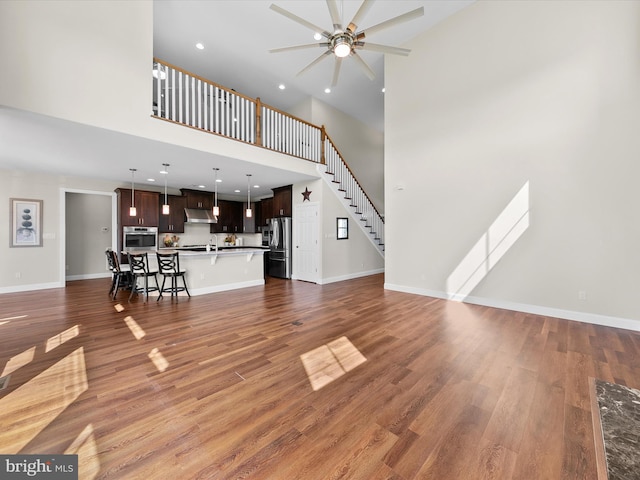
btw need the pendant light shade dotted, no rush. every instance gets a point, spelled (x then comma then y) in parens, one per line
(132, 208)
(248, 212)
(165, 172)
(216, 210)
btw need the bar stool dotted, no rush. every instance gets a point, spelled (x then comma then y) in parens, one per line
(139, 264)
(121, 273)
(169, 265)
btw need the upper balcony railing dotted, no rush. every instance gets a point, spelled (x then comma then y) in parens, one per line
(182, 97)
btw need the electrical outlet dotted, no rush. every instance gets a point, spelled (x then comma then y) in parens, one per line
(582, 295)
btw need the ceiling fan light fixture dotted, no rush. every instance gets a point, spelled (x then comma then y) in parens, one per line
(342, 45)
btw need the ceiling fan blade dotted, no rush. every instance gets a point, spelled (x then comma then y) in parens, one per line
(299, 20)
(335, 15)
(298, 47)
(405, 17)
(315, 62)
(363, 65)
(336, 71)
(374, 47)
(362, 11)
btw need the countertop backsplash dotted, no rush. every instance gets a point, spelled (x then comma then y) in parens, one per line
(195, 234)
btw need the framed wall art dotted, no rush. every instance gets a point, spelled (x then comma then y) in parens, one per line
(26, 222)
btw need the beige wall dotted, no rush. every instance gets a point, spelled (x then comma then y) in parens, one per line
(88, 233)
(506, 96)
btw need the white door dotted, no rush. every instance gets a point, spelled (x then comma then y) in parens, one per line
(306, 242)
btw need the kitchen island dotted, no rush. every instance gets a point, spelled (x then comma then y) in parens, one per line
(227, 268)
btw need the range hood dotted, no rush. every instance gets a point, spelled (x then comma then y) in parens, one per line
(200, 215)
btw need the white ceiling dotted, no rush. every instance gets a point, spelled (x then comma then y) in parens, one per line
(237, 35)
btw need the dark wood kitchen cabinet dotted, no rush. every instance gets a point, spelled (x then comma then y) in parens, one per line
(266, 210)
(198, 198)
(147, 208)
(282, 197)
(174, 222)
(230, 219)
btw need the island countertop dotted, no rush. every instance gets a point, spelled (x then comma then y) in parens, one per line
(228, 268)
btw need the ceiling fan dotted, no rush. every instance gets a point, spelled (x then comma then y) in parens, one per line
(343, 42)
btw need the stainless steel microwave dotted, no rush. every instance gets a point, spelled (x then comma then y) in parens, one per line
(139, 238)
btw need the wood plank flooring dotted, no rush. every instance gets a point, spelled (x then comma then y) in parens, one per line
(215, 387)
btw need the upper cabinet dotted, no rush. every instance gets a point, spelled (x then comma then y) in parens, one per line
(147, 208)
(282, 197)
(174, 222)
(198, 199)
(230, 219)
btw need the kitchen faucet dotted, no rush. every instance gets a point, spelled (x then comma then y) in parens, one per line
(214, 244)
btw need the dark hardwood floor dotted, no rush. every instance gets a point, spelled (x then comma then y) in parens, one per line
(299, 381)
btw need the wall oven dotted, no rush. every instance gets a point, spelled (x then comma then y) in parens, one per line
(139, 238)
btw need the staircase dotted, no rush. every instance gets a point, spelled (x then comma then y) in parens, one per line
(344, 184)
(184, 98)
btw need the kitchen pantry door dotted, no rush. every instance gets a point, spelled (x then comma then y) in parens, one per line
(306, 242)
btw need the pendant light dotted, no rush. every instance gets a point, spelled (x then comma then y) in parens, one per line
(216, 210)
(132, 208)
(165, 172)
(248, 212)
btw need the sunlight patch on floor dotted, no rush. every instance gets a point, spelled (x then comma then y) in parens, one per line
(59, 339)
(136, 329)
(86, 448)
(17, 361)
(158, 360)
(329, 362)
(27, 410)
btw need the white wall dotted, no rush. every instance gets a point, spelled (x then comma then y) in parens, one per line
(506, 95)
(361, 146)
(339, 259)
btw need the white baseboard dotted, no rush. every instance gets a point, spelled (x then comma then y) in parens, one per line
(596, 319)
(33, 286)
(351, 276)
(87, 276)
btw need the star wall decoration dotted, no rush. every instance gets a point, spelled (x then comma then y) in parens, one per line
(306, 194)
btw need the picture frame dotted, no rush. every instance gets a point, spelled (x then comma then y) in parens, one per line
(342, 228)
(25, 228)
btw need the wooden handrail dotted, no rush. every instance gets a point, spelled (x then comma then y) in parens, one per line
(258, 127)
(354, 177)
(186, 72)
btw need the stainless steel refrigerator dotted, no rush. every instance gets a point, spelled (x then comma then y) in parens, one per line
(279, 264)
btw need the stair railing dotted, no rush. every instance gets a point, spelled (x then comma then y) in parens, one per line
(182, 97)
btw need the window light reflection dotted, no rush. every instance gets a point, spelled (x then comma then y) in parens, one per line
(136, 329)
(329, 362)
(34, 405)
(62, 337)
(87, 450)
(158, 360)
(17, 361)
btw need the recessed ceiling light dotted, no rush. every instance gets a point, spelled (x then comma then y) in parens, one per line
(256, 186)
(202, 186)
(151, 179)
(199, 46)
(237, 191)
(218, 180)
(383, 89)
(281, 86)
(327, 90)
(317, 36)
